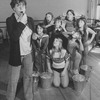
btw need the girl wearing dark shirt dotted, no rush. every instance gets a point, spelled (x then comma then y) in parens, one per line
(49, 22)
(40, 48)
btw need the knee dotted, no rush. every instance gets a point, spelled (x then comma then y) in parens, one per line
(56, 83)
(64, 85)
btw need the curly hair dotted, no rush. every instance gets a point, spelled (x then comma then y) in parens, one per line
(14, 2)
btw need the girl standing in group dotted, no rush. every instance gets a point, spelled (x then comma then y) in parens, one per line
(70, 23)
(58, 63)
(40, 48)
(49, 22)
(75, 48)
(85, 34)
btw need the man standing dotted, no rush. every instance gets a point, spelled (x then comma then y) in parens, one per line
(20, 28)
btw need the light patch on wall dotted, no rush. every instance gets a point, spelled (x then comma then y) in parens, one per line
(38, 8)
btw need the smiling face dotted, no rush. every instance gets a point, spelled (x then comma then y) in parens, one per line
(57, 43)
(81, 24)
(39, 30)
(70, 16)
(19, 8)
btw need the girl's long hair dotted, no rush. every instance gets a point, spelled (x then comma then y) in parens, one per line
(74, 20)
(45, 20)
(77, 23)
(60, 45)
(84, 27)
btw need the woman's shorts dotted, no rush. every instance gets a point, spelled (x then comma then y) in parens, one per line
(58, 70)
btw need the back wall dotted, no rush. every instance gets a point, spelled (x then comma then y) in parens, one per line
(38, 8)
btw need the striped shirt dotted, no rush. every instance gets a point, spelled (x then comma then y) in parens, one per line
(59, 58)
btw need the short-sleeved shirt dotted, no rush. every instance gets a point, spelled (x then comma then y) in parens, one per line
(58, 58)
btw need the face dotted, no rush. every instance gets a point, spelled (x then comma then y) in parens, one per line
(40, 30)
(81, 23)
(19, 8)
(56, 43)
(49, 17)
(58, 23)
(70, 16)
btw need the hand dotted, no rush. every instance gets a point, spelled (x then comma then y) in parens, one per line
(50, 71)
(34, 36)
(72, 32)
(52, 22)
(87, 43)
(80, 39)
(63, 73)
(20, 16)
(36, 53)
(23, 18)
(63, 25)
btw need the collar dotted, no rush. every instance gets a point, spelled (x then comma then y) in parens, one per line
(16, 16)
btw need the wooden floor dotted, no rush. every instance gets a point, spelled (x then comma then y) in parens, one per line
(90, 92)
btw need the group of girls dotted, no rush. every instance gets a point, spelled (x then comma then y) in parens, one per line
(61, 44)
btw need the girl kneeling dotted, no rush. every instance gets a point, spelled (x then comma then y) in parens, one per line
(58, 63)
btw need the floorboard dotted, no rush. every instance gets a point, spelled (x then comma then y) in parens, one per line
(90, 92)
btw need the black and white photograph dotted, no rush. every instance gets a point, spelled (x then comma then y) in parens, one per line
(49, 50)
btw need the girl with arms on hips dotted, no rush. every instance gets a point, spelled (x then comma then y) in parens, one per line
(75, 48)
(85, 32)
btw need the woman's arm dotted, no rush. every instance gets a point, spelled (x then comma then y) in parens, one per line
(81, 47)
(51, 23)
(45, 44)
(89, 30)
(67, 56)
(34, 45)
(65, 68)
(49, 64)
(65, 32)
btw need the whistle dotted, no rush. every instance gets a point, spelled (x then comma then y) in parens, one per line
(22, 12)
